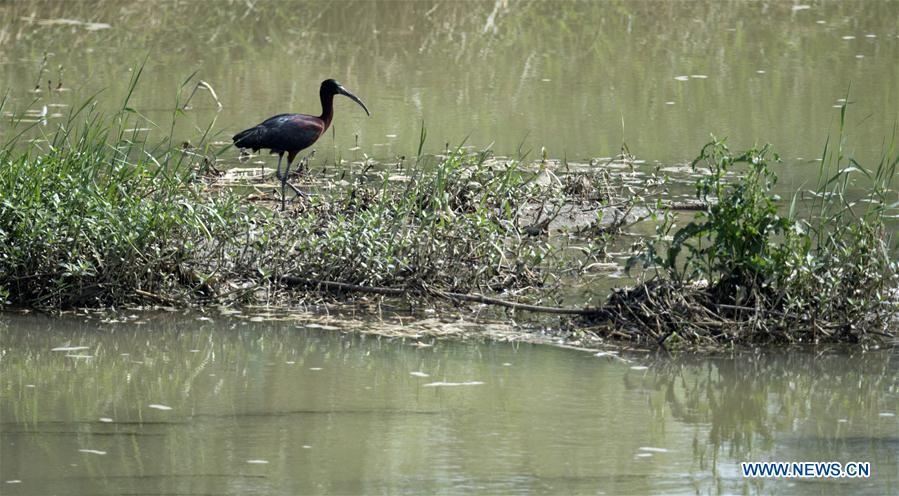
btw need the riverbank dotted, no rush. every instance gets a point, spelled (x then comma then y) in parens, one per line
(97, 216)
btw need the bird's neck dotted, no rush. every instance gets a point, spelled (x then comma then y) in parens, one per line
(327, 108)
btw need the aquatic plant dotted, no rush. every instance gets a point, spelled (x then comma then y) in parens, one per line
(97, 215)
(743, 271)
(453, 227)
(92, 213)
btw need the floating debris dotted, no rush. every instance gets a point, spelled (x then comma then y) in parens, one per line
(669, 103)
(797, 8)
(157, 406)
(652, 449)
(682, 78)
(452, 384)
(315, 369)
(79, 356)
(606, 353)
(760, 71)
(601, 267)
(90, 26)
(105, 420)
(699, 76)
(639, 367)
(92, 451)
(70, 348)
(96, 26)
(849, 37)
(322, 326)
(257, 462)
(419, 374)
(886, 414)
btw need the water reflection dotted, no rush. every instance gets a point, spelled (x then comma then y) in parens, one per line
(231, 406)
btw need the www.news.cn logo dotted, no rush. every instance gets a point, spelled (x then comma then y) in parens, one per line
(775, 470)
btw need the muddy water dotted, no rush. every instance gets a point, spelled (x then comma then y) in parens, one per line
(181, 405)
(177, 405)
(576, 78)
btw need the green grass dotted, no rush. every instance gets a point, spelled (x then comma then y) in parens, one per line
(93, 213)
(452, 227)
(97, 216)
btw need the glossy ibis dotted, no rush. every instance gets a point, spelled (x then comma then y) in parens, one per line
(291, 133)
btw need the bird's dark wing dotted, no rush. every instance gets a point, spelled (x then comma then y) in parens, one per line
(284, 132)
(250, 138)
(276, 120)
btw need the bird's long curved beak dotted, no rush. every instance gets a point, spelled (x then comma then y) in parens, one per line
(343, 91)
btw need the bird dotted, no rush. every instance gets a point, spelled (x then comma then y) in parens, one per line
(292, 133)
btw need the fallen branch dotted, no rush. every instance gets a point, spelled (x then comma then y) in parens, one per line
(685, 205)
(471, 297)
(156, 297)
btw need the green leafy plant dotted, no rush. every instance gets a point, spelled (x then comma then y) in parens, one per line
(746, 269)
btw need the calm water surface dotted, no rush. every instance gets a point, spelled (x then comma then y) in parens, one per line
(578, 78)
(175, 405)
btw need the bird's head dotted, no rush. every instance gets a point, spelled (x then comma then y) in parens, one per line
(332, 87)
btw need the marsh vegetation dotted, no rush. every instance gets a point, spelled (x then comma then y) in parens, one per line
(100, 216)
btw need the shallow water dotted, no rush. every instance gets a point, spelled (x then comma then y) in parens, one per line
(176, 404)
(578, 78)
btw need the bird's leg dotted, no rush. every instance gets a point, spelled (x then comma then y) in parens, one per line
(290, 157)
(277, 172)
(283, 178)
